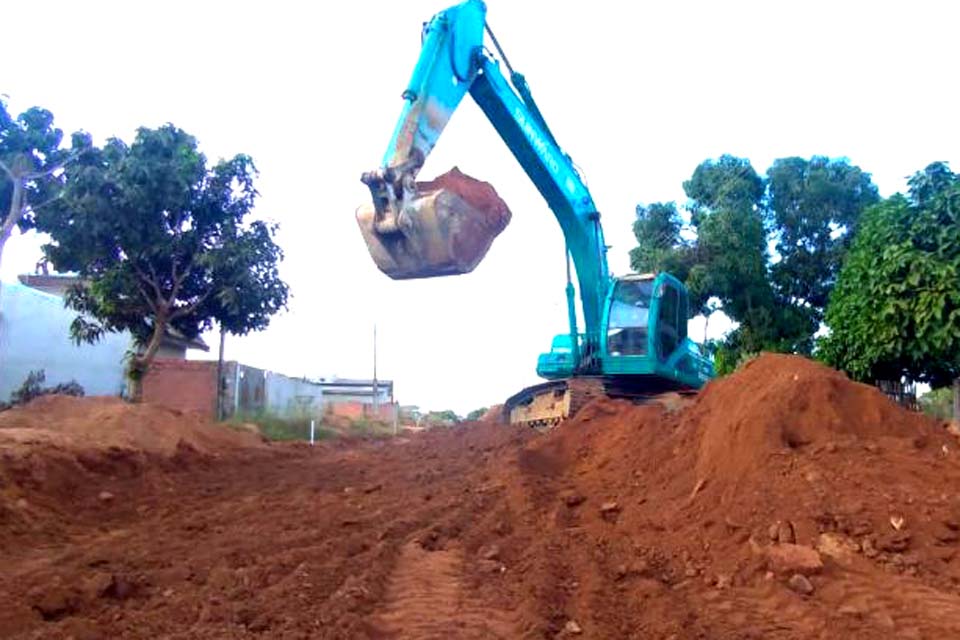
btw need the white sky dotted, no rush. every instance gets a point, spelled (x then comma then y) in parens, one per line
(638, 93)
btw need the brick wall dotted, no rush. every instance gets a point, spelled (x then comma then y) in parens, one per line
(357, 410)
(185, 385)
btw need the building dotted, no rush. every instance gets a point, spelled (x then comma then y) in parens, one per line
(245, 392)
(174, 345)
(359, 398)
(35, 335)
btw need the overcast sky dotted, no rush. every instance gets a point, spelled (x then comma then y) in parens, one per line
(638, 93)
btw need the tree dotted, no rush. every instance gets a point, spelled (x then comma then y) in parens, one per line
(807, 209)
(660, 246)
(895, 311)
(161, 240)
(476, 414)
(30, 155)
(446, 417)
(938, 403)
(814, 206)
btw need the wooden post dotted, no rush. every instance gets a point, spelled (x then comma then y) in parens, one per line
(223, 336)
(956, 399)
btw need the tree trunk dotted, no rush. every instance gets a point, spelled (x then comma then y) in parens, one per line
(956, 399)
(140, 363)
(13, 215)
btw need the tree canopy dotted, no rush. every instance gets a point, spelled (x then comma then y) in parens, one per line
(30, 155)
(160, 239)
(895, 311)
(476, 414)
(804, 209)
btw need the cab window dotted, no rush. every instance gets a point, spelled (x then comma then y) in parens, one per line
(668, 330)
(629, 318)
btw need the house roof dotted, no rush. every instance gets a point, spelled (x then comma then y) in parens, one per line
(45, 282)
(57, 284)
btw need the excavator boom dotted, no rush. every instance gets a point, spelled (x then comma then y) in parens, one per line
(423, 229)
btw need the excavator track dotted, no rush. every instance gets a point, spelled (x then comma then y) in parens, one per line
(544, 406)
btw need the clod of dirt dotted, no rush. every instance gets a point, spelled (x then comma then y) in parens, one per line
(609, 508)
(54, 602)
(120, 588)
(801, 584)
(572, 628)
(574, 500)
(895, 542)
(105, 496)
(837, 546)
(794, 558)
(97, 585)
(490, 553)
(782, 531)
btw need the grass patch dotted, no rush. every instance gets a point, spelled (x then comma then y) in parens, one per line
(365, 428)
(281, 428)
(278, 428)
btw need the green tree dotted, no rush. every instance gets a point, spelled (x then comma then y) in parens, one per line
(814, 206)
(30, 156)
(895, 311)
(162, 240)
(938, 403)
(807, 209)
(446, 417)
(476, 414)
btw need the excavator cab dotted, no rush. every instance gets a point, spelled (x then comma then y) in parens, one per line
(644, 337)
(645, 321)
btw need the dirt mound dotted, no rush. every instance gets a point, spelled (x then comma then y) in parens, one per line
(777, 402)
(110, 423)
(783, 502)
(64, 457)
(494, 415)
(783, 478)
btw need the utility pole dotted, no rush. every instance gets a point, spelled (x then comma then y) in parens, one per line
(376, 392)
(223, 337)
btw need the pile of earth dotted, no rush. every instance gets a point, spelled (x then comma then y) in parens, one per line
(55, 448)
(785, 479)
(784, 501)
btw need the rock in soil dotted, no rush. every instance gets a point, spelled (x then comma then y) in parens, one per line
(801, 584)
(794, 558)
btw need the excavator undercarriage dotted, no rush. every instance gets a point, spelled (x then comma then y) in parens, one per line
(546, 405)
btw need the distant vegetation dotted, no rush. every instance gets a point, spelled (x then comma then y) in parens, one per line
(159, 238)
(938, 403)
(882, 277)
(33, 387)
(476, 414)
(285, 428)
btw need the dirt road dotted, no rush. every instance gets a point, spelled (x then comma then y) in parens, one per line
(627, 522)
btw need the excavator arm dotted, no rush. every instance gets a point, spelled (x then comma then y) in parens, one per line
(417, 230)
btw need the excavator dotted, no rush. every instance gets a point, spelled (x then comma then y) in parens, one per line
(634, 343)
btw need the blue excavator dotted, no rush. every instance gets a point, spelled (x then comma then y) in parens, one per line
(634, 343)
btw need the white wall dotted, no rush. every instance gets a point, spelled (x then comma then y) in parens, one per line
(35, 334)
(284, 395)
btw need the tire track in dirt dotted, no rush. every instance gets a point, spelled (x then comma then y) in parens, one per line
(426, 599)
(874, 605)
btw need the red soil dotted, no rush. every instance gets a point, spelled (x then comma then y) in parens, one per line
(784, 502)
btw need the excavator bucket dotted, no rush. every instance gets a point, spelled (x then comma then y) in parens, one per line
(445, 229)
